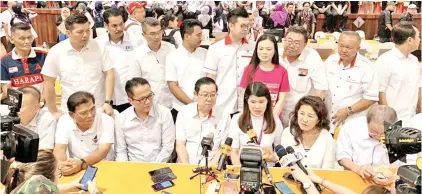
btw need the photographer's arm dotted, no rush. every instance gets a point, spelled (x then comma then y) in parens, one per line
(235, 156)
(4, 87)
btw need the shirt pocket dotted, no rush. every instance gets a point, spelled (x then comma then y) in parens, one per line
(69, 73)
(94, 72)
(301, 83)
(353, 84)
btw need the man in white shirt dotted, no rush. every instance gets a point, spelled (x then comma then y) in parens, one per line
(117, 51)
(352, 81)
(399, 72)
(196, 120)
(151, 61)
(34, 118)
(184, 65)
(87, 134)
(145, 131)
(6, 16)
(226, 59)
(133, 24)
(79, 64)
(305, 69)
(358, 145)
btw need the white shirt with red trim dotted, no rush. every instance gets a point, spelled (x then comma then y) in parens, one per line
(348, 85)
(227, 61)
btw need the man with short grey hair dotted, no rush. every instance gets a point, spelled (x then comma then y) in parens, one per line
(352, 81)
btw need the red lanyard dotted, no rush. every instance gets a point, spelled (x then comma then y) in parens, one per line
(262, 129)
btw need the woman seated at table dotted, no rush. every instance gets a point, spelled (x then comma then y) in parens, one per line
(257, 115)
(308, 134)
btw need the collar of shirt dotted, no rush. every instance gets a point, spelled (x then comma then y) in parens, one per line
(301, 57)
(34, 120)
(228, 40)
(193, 111)
(125, 38)
(351, 64)
(185, 51)
(69, 46)
(398, 53)
(146, 48)
(32, 54)
(133, 20)
(132, 115)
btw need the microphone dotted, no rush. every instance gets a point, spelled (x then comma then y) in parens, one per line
(201, 169)
(207, 143)
(290, 150)
(225, 152)
(252, 135)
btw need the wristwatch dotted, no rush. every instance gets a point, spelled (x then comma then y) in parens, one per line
(306, 185)
(84, 165)
(350, 111)
(110, 102)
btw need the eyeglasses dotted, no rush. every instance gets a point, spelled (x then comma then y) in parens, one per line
(155, 34)
(86, 113)
(292, 42)
(143, 100)
(206, 96)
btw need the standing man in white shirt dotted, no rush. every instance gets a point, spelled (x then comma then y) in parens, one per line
(151, 61)
(305, 70)
(196, 120)
(6, 16)
(352, 81)
(117, 51)
(145, 131)
(133, 24)
(88, 135)
(36, 119)
(226, 59)
(358, 145)
(399, 72)
(184, 65)
(78, 63)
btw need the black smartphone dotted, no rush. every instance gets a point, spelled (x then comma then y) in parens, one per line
(163, 177)
(160, 171)
(89, 175)
(283, 188)
(163, 185)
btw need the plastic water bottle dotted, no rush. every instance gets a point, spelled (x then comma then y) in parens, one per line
(44, 45)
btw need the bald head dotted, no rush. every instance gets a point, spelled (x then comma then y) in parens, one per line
(380, 113)
(31, 91)
(352, 34)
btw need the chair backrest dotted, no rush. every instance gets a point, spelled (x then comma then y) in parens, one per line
(361, 34)
(387, 45)
(319, 35)
(324, 53)
(336, 35)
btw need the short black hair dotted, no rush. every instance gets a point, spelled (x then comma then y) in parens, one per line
(303, 4)
(78, 98)
(159, 11)
(236, 13)
(165, 21)
(112, 12)
(299, 30)
(402, 31)
(136, 81)
(150, 13)
(75, 19)
(19, 26)
(288, 4)
(187, 27)
(31, 90)
(205, 81)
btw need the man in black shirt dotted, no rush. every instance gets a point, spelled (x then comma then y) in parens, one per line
(339, 9)
(385, 22)
(407, 16)
(291, 15)
(324, 7)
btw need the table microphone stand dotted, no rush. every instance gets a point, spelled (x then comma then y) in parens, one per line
(207, 172)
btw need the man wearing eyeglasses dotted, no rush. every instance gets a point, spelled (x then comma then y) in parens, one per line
(197, 120)
(305, 70)
(358, 145)
(87, 134)
(150, 61)
(145, 131)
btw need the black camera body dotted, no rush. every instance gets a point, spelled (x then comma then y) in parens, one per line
(410, 180)
(250, 170)
(17, 141)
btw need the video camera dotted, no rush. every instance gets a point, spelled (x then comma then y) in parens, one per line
(16, 140)
(400, 141)
(250, 170)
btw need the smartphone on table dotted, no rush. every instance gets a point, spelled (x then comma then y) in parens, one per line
(162, 185)
(165, 170)
(283, 188)
(89, 175)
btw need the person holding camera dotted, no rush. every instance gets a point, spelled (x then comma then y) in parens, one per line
(257, 115)
(44, 172)
(87, 134)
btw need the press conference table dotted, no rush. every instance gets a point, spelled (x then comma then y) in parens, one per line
(128, 177)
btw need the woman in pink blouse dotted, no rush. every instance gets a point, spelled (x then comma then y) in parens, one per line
(265, 68)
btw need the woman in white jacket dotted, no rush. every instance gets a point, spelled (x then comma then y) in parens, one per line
(308, 134)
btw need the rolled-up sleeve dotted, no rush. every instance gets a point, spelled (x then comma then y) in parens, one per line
(319, 78)
(47, 130)
(211, 61)
(168, 134)
(383, 73)
(370, 86)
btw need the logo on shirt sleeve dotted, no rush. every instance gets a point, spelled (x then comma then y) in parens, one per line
(38, 67)
(95, 140)
(13, 69)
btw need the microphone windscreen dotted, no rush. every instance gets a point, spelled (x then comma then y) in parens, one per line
(229, 141)
(280, 151)
(290, 150)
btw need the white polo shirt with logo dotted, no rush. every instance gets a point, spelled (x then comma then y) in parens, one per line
(228, 61)
(82, 144)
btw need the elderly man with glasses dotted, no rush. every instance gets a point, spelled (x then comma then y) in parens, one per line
(145, 131)
(87, 135)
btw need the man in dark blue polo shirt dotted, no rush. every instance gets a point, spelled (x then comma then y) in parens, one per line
(22, 66)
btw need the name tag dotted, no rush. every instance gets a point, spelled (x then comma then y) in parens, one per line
(128, 48)
(13, 69)
(302, 72)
